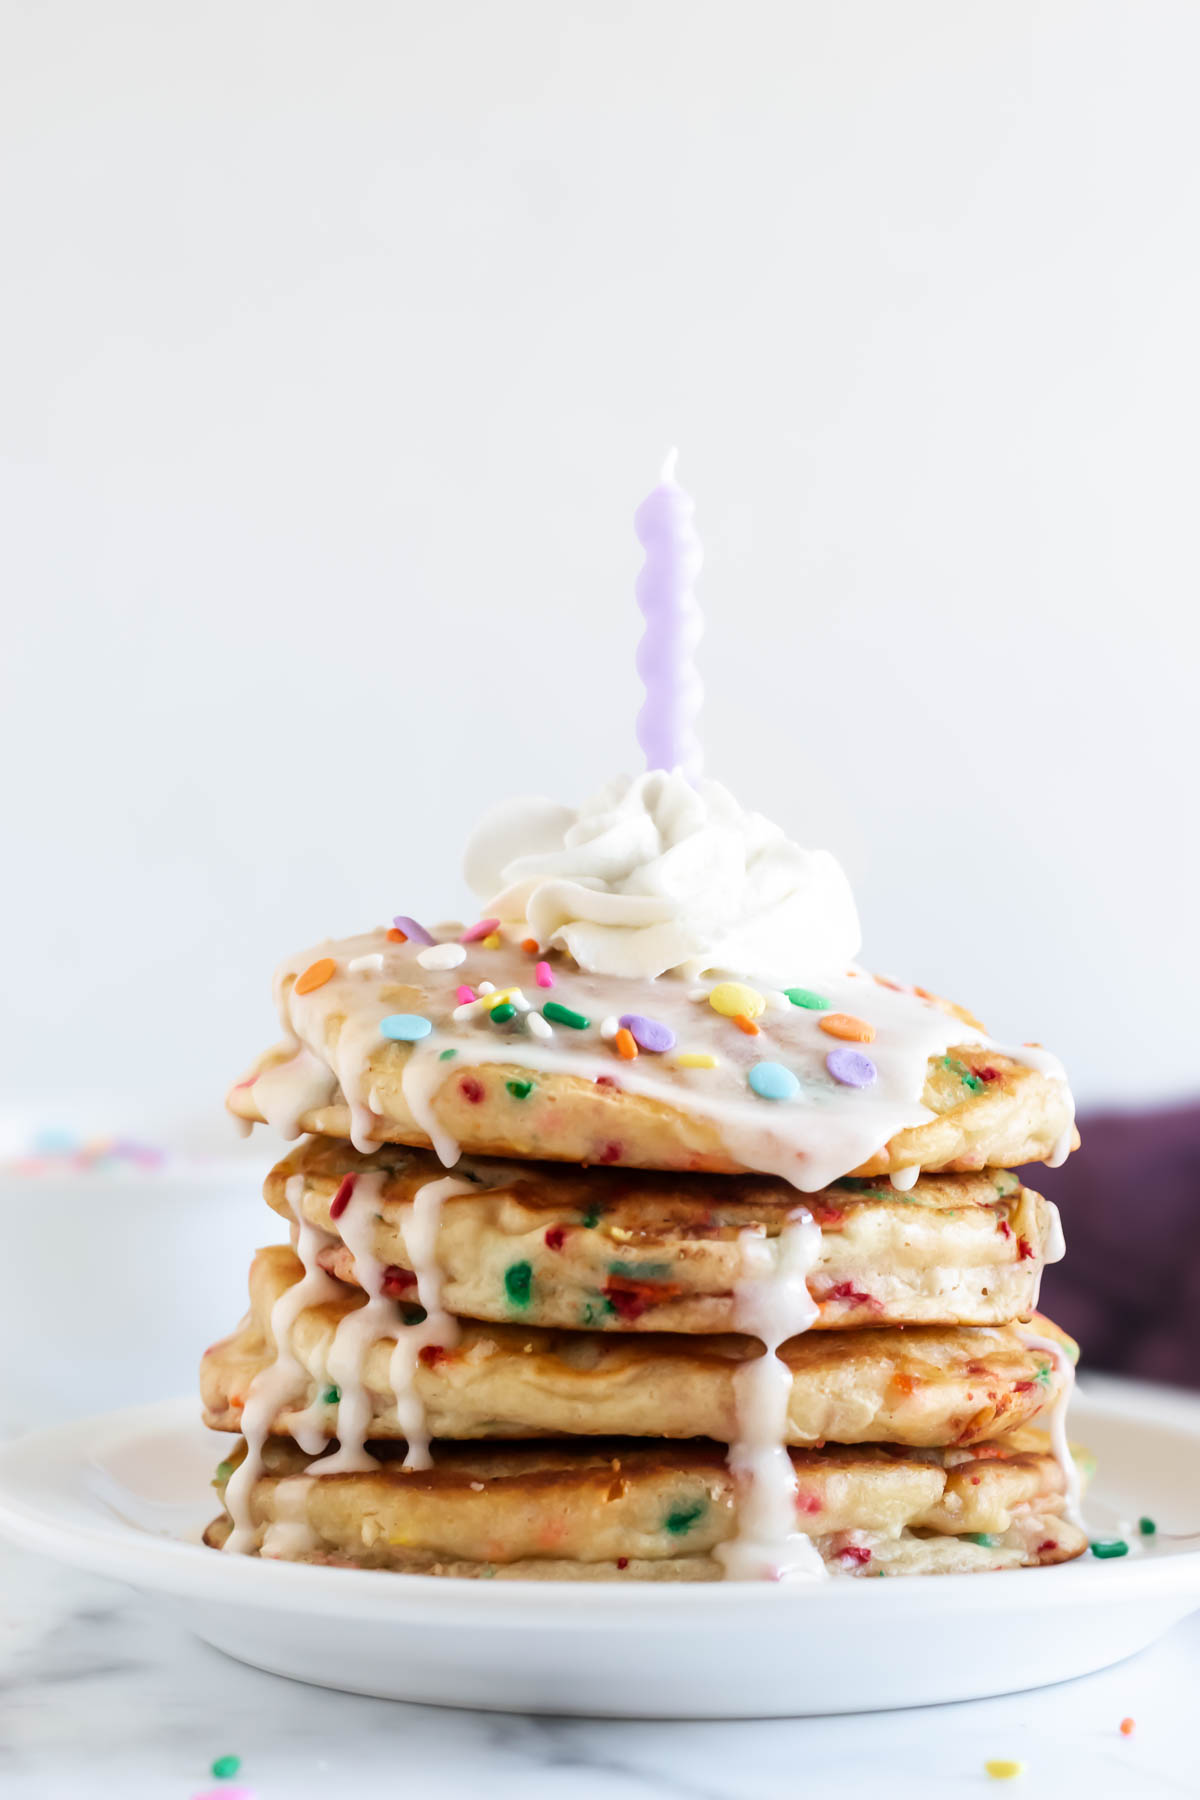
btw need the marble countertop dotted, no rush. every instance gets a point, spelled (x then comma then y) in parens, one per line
(103, 1697)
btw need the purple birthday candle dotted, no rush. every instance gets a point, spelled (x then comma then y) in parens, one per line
(666, 723)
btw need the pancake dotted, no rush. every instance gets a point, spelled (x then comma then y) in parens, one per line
(925, 1386)
(381, 1050)
(607, 1250)
(616, 1511)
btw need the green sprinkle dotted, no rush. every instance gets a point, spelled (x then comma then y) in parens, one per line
(446, 1055)
(225, 1767)
(1043, 1375)
(591, 1217)
(500, 1015)
(1106, 1547)
(806, 998)
(414, 1315)
(520, 1090)
(562, 1015)
(1005, 1182)
(640, 1271)
(988, 1539)
(683, 1520)
(331, 1396)
(518, 1281)
(224, 1471)
(1147, 1527)
(964, 1074)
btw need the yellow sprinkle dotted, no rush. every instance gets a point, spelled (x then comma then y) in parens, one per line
(695, 1059)
(498, 997)
(1001, 1770)
(734, 997)
(491, 941)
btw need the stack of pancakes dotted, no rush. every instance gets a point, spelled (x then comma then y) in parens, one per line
(553, 1310)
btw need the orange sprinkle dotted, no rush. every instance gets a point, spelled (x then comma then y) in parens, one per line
(845, 1025)
(1126, 1727)
(316, 975)
(530, 946)
(625, 1045)
(396, 936)
(746, 1024)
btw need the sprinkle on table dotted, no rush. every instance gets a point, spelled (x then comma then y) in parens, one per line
(771, 1081)
(1105, 1548)
(807, 998)
(733, 997)
(410, 928)
(441, 956)
(648, 1034)
(563, 1015)
(405, 1028)
(484, 928)
(845, 1025)
(851, 1068)
(316, 975)
(1002, 1768)
(1127, 1727)
(1147, 1527)
(226, 1767)
(544, 975)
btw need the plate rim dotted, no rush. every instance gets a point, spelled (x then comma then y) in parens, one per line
(162, 1563)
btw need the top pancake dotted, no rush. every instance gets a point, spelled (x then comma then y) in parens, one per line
(937, 1094)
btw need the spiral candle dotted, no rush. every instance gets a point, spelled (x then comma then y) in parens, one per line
(665, 659)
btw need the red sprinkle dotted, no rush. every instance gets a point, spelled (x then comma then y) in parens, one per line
(623, 1563)
(846, 1290)
(606, 1081)
(397, 1280)
(1024, 1249)
(471, 1090)
(988, 1074)
(556, 1237)
(1046, 1544)
(1004, 1228)
(808, 1503)
(610, 1154)
(855, 1553)
(341, 1199)
(432, 1355)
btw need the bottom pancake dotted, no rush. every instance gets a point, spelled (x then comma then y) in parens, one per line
(624, 1510)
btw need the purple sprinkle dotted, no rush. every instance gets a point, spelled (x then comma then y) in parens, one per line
(648, 1034)
(473, 933)
(851, 1068)
(416, 934)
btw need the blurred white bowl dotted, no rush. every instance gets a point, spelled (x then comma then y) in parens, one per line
(118, 1279)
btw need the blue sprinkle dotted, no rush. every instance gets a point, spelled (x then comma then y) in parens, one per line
(851, 1068)
(773, 1082)
(405, 1028)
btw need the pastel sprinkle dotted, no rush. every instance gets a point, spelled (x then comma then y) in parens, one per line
(464, 994)
(771, 1081)
(695, 1059)
(491, 941)
(746, 1024)
(609, 1028)
(225, 1767)
(520, 1090)
(530, 946)
(483, 929)
(1147, 1527)
(625, 1045)
(518, 1281)
(648, 1034)
(544, 975)
(845, 1025)
(1105, 1548)
(851, 1068)
(359, 964)
(487, 987)
(411, 929)
(341, 1199)
(396, 937)
(501, 1014)
(805, 997)
(445, 1055)
(316, 975)
(1000, 1768)
(539, 1027)
(442, 956)
(1127, 1727)
(330, 1397)
(405, 1028)
(563, 1015)
(733, 997)
(226, 1793)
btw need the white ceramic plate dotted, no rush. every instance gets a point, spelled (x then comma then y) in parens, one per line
(123, 1494)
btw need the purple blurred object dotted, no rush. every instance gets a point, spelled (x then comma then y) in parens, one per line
(666, 725)
(1129, 1289)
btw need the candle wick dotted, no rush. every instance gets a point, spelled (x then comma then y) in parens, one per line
(667, 477)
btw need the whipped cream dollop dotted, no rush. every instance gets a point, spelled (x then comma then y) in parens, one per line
(655, 874)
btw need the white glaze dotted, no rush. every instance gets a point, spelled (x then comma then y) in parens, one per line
(1065, 1368)
(772, 1303)
(287, 1090)
(289, 1535)
(283, 1379)
(358, 1330)
(904, 1179)
(1055, 1245)
(420, 1232)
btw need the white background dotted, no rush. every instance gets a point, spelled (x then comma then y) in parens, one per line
(339, 344)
